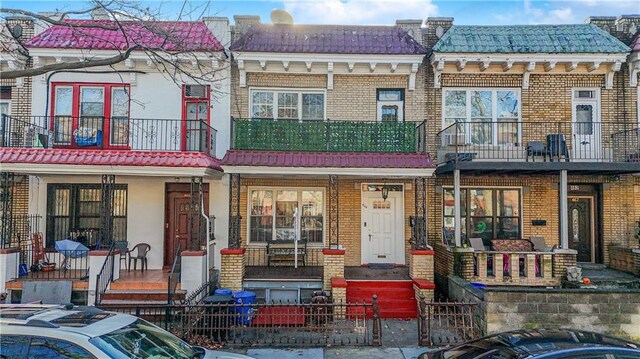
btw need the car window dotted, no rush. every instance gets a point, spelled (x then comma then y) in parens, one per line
(44, 348)
(14, 346)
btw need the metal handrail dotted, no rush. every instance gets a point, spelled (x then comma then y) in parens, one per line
(174, 274)
(101, 284)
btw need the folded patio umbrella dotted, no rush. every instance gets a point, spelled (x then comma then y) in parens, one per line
(71, 249)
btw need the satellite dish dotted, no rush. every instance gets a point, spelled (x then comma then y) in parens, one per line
(281, 17)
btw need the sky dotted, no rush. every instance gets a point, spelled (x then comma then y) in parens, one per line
(382, 12)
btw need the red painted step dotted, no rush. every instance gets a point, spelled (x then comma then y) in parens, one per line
(396, 299)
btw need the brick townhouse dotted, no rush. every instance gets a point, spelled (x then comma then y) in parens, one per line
(327, 149)
(534, 129)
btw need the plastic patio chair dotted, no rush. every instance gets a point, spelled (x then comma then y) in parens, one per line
(139, 251)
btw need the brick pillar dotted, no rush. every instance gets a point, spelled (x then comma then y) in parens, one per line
(232, 268)
(562, 259)
(333, 266)
(636, 259)
(339, 295)
(463, 262)
(421, 271)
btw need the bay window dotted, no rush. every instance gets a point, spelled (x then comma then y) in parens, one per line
(484, 213)
(483, 116)
(273, 213)
(288, 104)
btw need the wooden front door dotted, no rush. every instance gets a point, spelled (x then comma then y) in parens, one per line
(581, 229)
(177, 208)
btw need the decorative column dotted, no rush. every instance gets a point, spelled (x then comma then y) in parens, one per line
(232, 268)
(234, 211)
(419, 229)
(456, 208)
(563, 208)
(106, 210)
(197, 226)
(333, 227)
(7, 182)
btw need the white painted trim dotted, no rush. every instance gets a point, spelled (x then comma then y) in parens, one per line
(76, 54)
(634, 68)
(299, 91)
(400, 224)
(494, 108)
(325, 171)
(527, 58)
(81, 170)
(273, 216)
(597, 103)
(327, 57)
(8, 102)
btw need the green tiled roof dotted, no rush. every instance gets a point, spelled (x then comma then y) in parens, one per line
(522, 39)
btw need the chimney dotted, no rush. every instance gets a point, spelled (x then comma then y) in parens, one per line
(413, 28)
(100, 14)
(626, 27)
(436, 27)
(219, 27)
(243, 23)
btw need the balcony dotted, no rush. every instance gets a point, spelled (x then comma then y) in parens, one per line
(538, 144)
(102, 133)
(328, 136)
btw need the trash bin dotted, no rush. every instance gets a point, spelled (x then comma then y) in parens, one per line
(244, 311)
(223, 291)
(219, 316)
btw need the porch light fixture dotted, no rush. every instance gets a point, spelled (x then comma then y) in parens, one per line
(385, 192)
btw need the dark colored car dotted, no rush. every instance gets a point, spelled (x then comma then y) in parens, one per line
(542, 344)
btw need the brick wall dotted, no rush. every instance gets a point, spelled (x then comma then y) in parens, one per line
(333, 267)
(349, 200)
(20, 95)
(232, 269)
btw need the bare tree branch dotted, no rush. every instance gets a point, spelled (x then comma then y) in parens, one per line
(52, 21)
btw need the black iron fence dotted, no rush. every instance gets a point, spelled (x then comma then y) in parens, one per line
(174, 274)
(328, 136)
(104, 132)
(445, 323)
(105, 276)
(51, 264)
(539, 141)
(258, 257)
(273, 324)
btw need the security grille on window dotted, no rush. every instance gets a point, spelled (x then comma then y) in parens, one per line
(484, 213)
(272, 215)
(75, 211)
(483, 116)
(287, 105)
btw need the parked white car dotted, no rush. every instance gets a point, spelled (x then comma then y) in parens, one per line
(54, 331)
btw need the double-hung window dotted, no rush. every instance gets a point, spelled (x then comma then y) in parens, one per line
(274, 212)
(485, 213)
(288, 104)
(483, 116)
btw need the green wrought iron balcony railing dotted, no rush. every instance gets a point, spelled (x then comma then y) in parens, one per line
(328, 136)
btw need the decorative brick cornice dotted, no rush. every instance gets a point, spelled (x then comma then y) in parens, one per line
(338, 283)
(333, 252)
(232, 251)
(9, 250)
(193, 253)
(422, 252)
(423, 283)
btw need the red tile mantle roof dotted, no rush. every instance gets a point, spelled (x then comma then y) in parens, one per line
(60, 156)
(165, 35)
(326, 159)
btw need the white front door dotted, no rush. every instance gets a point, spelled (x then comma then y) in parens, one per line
(382, 235)
(586, 125)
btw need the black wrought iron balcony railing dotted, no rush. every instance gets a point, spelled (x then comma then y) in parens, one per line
(115, 133)
(538, 141)
(328, 136)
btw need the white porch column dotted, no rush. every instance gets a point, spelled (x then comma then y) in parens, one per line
(194, 270)
(9, 261)
(456, 208)
(563, 207)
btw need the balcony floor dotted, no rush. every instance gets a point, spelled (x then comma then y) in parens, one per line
(542, 168)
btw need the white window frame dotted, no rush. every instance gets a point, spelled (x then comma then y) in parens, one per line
(300, 91)
(273, 230)
(8, 102)
(381, 103)
(494, 112)
(520, 190)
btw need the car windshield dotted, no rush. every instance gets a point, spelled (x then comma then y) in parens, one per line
(142, 339)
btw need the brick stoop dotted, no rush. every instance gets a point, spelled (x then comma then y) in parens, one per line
(396, 298)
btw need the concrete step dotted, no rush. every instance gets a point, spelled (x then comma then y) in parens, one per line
(141, 295)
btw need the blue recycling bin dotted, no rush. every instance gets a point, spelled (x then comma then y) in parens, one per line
(478, 285)
(223, 291)
(243, 301)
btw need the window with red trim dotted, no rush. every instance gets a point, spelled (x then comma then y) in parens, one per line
(90, 115)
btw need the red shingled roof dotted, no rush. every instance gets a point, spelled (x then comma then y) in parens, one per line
(168, 36)
(326, 159)
(60, 156)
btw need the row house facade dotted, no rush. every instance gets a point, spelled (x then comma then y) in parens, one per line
(355, 160)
